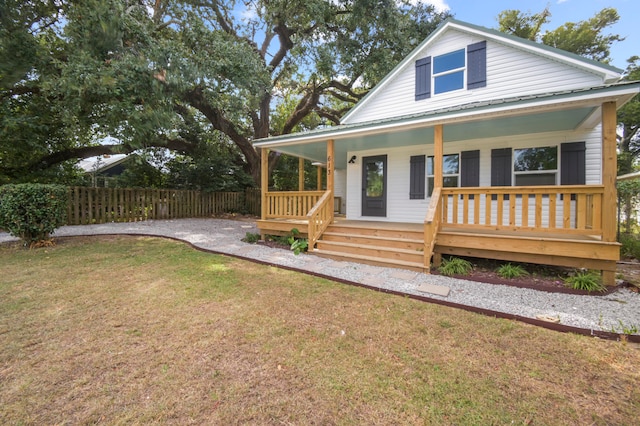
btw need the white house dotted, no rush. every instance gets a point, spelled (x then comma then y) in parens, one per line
(482, 143)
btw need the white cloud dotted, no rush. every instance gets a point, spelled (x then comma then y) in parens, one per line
(440, 5)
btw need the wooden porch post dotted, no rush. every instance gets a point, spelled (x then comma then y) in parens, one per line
(609, 171)
(300, 174)
(330, 172)
(330, 165)
(319, 178)
(438, 150)
(264, 181)
(437, 156)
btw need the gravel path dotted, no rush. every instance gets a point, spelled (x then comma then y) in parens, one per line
(618, 310)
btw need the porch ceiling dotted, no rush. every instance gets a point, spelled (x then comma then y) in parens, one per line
(568, 119)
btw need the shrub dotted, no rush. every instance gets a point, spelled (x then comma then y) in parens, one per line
(32, 212)
(509, 271)
(455, 266)
(251, 238)
(630, 246)
(585, 280)
(299, 245)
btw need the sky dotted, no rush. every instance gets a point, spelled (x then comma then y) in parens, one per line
(485, 13)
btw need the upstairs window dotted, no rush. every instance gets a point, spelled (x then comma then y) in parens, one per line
(536, 166)
(448, 71)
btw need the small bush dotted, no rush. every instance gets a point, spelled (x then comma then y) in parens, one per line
(510, 271)
(32, 212)
(455, 266)
(251, 238)
(585, 280)
(630, 246)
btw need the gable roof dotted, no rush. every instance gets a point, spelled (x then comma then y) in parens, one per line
(608, 73)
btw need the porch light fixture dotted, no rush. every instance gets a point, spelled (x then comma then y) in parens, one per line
(352, 160)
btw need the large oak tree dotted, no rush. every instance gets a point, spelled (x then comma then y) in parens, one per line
(172, 73)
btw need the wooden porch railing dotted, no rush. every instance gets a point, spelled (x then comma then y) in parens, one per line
(291, 204)
(432, 226)
(553, 209)
(319, 217)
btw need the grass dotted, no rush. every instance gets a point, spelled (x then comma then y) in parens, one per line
(131, 330)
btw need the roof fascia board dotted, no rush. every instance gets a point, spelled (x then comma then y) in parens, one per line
(557, 102)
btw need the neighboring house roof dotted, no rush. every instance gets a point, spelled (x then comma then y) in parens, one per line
(101, 163)
(609, 74)
(629, 176)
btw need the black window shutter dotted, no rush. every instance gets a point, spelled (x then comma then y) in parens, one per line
(572, 163)
(501, 167)
(477, 65)
(470, 168)
(423, 78)
(416, 177)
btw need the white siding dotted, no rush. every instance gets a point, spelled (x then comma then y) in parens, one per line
(510, 72)
(401, 209)
(340, 187)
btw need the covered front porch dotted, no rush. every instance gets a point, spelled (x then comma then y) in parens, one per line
(563, 225)
(492, 223)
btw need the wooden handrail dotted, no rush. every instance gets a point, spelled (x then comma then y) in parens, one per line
(319, 217)
(432, 226)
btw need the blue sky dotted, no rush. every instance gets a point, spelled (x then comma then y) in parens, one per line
(485, 13)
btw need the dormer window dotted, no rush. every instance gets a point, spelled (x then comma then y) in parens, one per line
(446, 73)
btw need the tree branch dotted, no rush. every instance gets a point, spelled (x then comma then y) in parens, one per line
(307, 104)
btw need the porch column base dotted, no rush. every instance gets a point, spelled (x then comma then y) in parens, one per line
(609, 278)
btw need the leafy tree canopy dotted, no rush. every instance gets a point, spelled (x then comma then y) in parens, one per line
(179, 74)
(584, 38)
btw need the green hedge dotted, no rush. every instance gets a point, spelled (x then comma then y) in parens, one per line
(32, 212)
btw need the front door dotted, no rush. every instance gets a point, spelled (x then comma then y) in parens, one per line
(374, 186)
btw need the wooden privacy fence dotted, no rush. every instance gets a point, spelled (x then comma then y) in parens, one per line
(102, 205)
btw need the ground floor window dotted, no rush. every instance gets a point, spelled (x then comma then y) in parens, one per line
(450, 171)
(535, 166)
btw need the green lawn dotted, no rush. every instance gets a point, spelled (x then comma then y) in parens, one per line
(145, 330)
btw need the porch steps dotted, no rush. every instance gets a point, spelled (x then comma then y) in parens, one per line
(387, 246)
